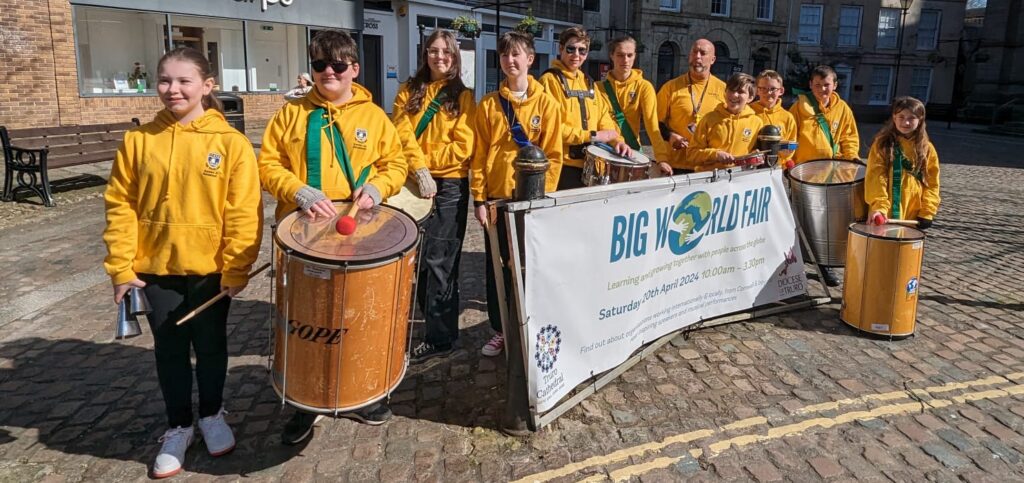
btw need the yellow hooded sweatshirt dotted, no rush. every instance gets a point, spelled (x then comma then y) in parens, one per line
(676, 100)
(183, 200)
(447, 142)
(811, 140)
(573, 130)
(370, 140)
(780, 118)
(722, 130)
(492, 173)
(638, 101)
(915, 201)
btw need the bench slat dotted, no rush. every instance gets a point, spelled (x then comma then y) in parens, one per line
(58, 141)
(35, 132)
(77, 160)
(109, 147)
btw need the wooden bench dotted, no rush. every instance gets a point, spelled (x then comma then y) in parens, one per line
(29, 153)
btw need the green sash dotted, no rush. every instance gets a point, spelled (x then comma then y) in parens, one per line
(432, 109)
(620, 117)
(318, 122)
(897, 180)
(818, 116)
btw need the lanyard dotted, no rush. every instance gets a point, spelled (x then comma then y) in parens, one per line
(696, 105)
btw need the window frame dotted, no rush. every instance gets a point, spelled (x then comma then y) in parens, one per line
(928, 88)
(598, 9)
(895, 29)
(726, 7)
(844, 87)
(770, 7)
(800, 24)
(888, 86)
(860, 24)
(938, 28)
(676, 6)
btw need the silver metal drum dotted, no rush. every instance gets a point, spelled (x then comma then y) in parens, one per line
(828, 195)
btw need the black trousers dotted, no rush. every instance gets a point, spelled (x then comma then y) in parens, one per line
(570, 177)
(493, 308)
(171, 297)
(441, 252)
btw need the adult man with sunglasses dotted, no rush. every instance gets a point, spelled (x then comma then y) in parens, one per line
(683, 101)
(332, 144)
(586, 117)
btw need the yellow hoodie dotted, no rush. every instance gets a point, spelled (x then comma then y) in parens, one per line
(722, 130)
(812, 142)
(447, 142)
(915, 201)
(573, 130)
(676, 100)
(492, 175)
(183, 200)
(638, 101)
(370, 139)
(780, 118)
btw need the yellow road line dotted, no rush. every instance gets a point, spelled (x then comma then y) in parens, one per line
(742, 440)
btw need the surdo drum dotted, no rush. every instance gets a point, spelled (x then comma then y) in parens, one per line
(409, 201)
(601, 166)
(341, 335)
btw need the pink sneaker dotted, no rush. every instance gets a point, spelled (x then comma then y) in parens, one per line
(494, 346)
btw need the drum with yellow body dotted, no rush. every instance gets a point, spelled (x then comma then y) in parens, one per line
(883, 271)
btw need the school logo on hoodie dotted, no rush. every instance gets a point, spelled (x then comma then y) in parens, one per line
(360, 135)
(212, 164)
(746, 134)
(535, 123)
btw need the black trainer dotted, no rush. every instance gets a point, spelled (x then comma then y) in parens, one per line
(830, 278)
(425, 350)
(300, 427)
(374, 414)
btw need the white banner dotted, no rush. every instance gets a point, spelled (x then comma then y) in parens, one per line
(607, 276)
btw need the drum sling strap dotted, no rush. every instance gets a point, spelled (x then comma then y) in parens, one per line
(515, 128)
(818, 116)
(900, 166)
(432, 109)
(318, 121)
(620, 117)
(581, 96)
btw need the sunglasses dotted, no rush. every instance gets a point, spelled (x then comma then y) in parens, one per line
(576, 50)
(321, 65)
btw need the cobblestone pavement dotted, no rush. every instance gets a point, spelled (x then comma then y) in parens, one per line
(797, 397)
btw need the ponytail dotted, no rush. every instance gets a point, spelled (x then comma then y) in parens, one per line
(210, 101)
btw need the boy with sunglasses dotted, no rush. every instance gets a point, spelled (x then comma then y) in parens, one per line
(333, 144)
(587, 118)
(769, 108)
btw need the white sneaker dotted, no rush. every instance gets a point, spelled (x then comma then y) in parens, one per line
(175, 442)
(217, 434)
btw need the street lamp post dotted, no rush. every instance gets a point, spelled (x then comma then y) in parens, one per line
(904, 6)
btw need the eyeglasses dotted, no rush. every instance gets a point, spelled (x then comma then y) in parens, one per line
(571, 49)
(768, 90)
(338, 67)
(438, 52)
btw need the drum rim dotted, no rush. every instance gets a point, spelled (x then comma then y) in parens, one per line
(365, 263)
(789, 173)
(918, 236)
(634, 162)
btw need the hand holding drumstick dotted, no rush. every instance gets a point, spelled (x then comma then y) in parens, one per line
(232, 291)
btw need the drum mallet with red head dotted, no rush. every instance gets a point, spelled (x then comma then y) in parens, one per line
(346, 225)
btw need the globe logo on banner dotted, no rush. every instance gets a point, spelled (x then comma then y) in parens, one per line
(549, 341)
(691, 216)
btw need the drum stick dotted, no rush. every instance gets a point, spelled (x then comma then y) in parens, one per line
(902, 222)
(217, 297)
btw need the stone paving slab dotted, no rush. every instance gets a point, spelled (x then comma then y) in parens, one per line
(795, 397)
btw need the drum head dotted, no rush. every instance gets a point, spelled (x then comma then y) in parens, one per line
(824, 172)
(409, 201)
(382, 233)
(887, 232)
(637, 158)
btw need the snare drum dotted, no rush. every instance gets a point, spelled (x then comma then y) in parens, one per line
(604, 167)
(881, 283)
(749, 161)
(409, 201)
(341, 337)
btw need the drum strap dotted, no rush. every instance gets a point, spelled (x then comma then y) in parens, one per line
(432, 109)
(515, 128)
(318, 121)
(620, 117)
(581, 96)
(897, 180)
(818, 116)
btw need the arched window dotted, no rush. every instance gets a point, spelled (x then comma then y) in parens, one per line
(668, 55)
(724, 62)
(762, 58)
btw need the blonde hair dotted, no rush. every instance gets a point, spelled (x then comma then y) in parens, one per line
(769, 74)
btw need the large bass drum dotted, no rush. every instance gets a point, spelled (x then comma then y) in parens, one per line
(828, 195)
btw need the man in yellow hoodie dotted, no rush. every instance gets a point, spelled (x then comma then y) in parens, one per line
(728, 131)
(683, 101)
(586, 118)
(335, 143)
(631, 99)
(769, 108)
(825, 125)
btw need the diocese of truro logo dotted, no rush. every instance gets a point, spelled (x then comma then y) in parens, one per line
(549, 341)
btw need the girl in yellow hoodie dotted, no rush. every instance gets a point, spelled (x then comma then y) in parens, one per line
(631, 99)
(440, 107)
(902, 179)
(538, 120)
(728, 131)
(184, 222)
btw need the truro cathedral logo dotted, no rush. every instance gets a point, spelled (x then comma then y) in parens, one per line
(549, 341)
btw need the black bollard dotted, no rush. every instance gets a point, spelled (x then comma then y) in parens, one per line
(768, 139)
(531, 167)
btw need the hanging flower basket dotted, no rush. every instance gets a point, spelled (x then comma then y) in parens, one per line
(596, 45)
(467, 26)
(530, 25)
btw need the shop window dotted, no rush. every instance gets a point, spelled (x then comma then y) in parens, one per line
(277, 54)
(221, 41)
(118, 50)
